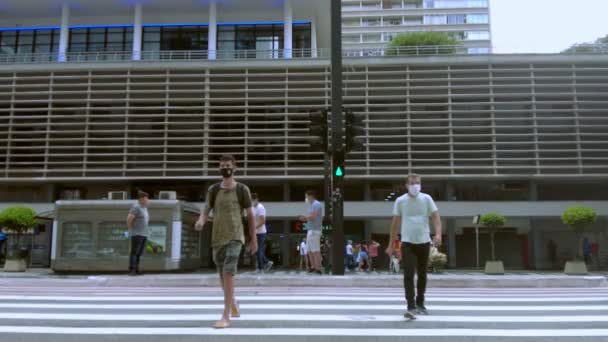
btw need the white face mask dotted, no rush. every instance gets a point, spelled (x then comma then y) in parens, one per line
(414, 189)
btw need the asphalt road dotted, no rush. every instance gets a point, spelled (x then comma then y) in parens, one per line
(66, 310)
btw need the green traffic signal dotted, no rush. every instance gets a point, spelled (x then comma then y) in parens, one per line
(339, 172)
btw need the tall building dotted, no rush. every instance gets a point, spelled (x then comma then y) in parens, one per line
(372, 24)
(100, 97)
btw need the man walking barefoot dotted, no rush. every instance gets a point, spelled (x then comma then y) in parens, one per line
(227, 200)
(411, 214)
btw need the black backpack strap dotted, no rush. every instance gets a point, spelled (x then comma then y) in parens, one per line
(240, 193)
(213, 190)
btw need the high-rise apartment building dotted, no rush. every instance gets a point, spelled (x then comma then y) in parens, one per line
(372, 24)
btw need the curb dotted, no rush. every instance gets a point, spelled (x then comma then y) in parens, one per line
(346, 282)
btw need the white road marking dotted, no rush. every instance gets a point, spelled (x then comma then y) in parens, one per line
(308, 332)
(478, 299)
(303, 307)
(299, 318)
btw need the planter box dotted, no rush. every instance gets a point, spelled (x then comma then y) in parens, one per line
(15, 265)
(575, 268)
(495, 267)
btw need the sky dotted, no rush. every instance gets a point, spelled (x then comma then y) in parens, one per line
(546, 26)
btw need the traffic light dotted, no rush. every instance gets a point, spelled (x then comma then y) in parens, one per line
(354, 131)
(318, 131)
(339, 167)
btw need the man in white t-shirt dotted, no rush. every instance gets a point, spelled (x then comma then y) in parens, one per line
(411, 216)
(259, 212)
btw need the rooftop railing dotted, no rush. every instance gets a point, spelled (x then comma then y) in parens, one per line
(226, 55)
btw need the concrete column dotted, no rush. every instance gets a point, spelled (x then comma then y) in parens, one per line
(288, 27)
(449, 191)
(451, 243)
(536, 246)
(313, 38)
(212, 39)
(49, 195)
(533, 191)
(64, 32)
(137, 32)
(286, 237)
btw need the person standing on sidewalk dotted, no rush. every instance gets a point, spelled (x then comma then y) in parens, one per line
(373, 254)
(411, 213)
(314, 219)
(350, 257)
(137, 222)
(264, 265)
(228, 199)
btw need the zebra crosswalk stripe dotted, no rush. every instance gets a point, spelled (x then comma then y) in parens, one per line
(278, 313)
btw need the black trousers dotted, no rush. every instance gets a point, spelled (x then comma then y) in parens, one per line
(138, 245)
(415, 259)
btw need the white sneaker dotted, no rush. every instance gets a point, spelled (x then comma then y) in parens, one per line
(268, 266)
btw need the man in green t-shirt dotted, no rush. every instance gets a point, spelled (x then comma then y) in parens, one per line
(228, 199)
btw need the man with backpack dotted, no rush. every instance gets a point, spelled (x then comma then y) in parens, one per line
(228, 199)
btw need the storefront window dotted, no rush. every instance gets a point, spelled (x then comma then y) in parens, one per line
(113, 239)
(157, 242)
(77, 239)
(190, 246)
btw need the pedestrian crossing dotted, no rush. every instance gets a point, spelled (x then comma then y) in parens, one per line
(94, 313)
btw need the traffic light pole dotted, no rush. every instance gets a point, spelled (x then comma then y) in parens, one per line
(337, 152)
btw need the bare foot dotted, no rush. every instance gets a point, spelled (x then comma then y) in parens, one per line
(222, 324)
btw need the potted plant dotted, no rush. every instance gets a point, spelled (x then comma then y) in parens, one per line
(493, 222)
(17, 220)
(579, 219)
(437, 260)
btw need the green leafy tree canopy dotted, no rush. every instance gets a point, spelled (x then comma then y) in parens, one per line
(600, 45)
(493, 220)
(579, 218)
(18, 219)
(414, 39)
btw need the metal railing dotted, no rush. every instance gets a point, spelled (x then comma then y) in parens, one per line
(322, 53)
(153, 56)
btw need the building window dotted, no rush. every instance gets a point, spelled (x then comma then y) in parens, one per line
(102, 39)
(477, 19)
(455, 3)
(435, 19)
(478, 35)
(456, 19)
(29, 41)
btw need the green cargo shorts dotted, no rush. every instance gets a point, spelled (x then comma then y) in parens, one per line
(226, 258)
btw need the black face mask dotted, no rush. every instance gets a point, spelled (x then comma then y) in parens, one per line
(226, 173)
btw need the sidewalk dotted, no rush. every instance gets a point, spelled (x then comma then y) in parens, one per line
(454, 279)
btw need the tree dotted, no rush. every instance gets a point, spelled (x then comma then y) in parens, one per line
(431, 42)
(579, 219)
(17, 220)
(600, 45)
(493, 222)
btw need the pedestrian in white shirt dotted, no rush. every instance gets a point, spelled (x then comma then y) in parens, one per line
(411, 215)
(264, 265)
